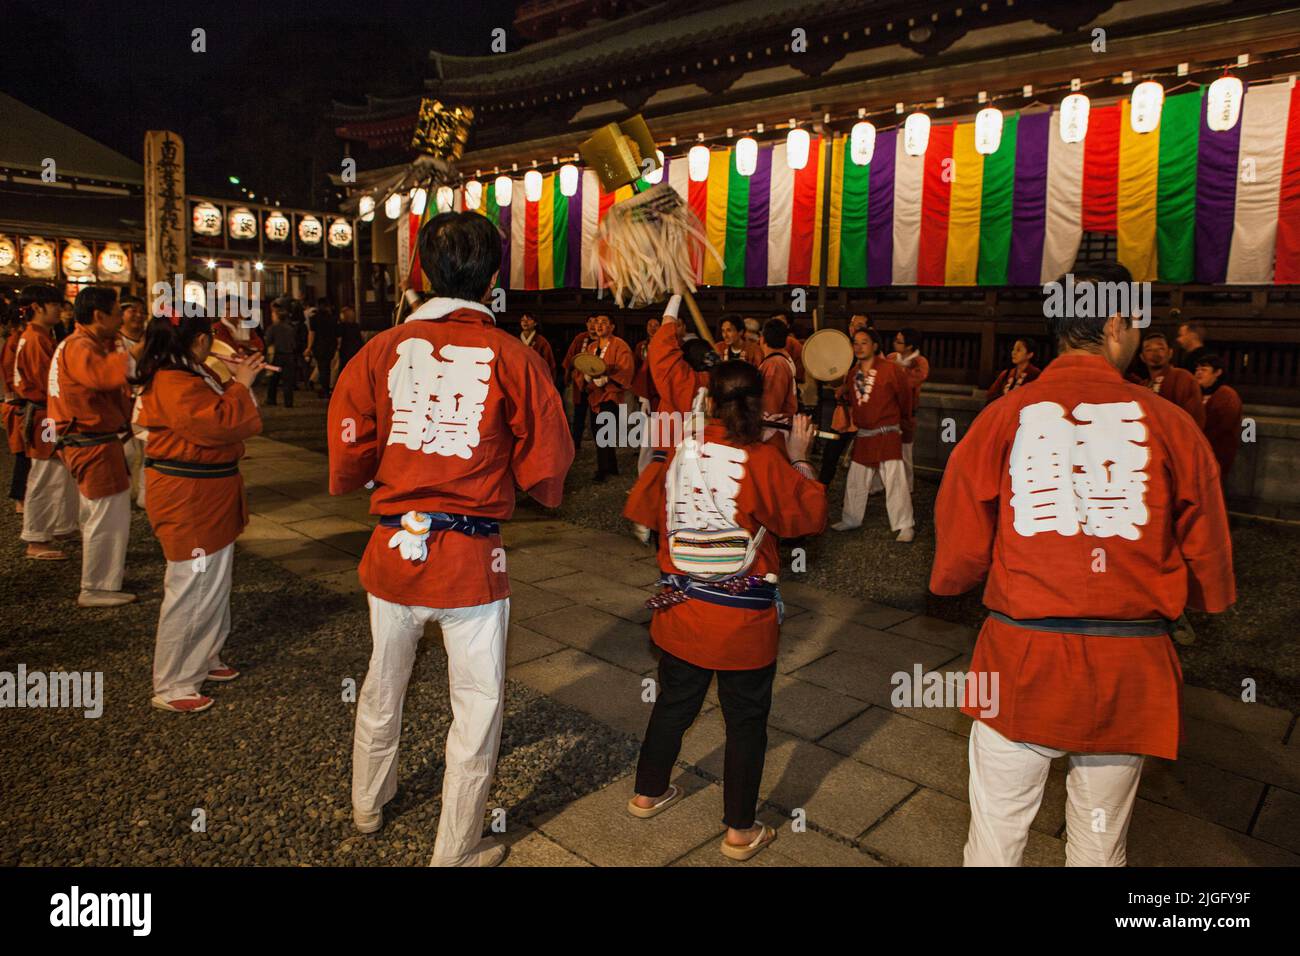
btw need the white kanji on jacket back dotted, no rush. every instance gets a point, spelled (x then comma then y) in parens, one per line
(1083, 474)
(438, 400)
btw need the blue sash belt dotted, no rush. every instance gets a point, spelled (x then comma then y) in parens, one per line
(749, 593)
(471, 525)
(1091, 627)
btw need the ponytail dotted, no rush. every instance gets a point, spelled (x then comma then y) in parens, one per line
(737, 391)
(168, 345)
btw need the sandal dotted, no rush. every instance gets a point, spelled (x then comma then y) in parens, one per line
(45, 553)
(765, 836)
(645, 813)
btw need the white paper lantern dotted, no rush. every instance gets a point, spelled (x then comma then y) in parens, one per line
(340, 234)
(38, 258)
(746, 155)
(988, 131)
(207, 219)
(473, 194)
(697, 162)
(242, 224)
(366, 207)
(569, 180)
(445, 198)
(656, 175)
(276, 227)
(77, 259)
(419, 199)
(1144, 107)
(1223, 103)
(8, 252)
(1074, 118)
(310, 231)
(505, 191)
(797, 142)
(532, 185)
(393, 206)
(916, 134)
(862, 143)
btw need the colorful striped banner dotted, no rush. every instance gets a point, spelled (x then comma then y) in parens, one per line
(1185, 204)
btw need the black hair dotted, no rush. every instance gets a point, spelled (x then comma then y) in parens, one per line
(1030, 345)
(168, 346)
(460, 252)
(1082, 331)
(1155, 335)
(775, 333)
(1213, 360)
(37, 295)
(737, 321)
(872, 333)
(910, 337)
(698, 354)
(127, 299)
(736, 388)
(91, 299)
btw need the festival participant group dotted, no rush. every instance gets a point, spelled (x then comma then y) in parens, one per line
(448, 416)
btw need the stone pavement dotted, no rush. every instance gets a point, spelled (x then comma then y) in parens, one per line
(872, 784)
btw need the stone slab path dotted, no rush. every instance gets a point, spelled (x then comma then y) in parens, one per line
(850, 779)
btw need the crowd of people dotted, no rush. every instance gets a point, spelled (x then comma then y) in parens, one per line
(446, 415)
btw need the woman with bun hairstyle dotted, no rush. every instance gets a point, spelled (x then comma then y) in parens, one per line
(195, 497)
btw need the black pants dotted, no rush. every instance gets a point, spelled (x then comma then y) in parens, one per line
(323, 376)
(284, 379)
(18, 481)
(832, 451)
(746, 698)
(606, 458)
(579, 423)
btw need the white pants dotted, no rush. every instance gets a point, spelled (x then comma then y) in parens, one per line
(133, 448)
(1006, 788)
(50, 506)
(193, 624)
(475, 640)
(647, 449)
(105, 531)
(898, 500)
(907, 466)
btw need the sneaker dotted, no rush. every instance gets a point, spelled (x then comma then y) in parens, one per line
(906, 535)
(183, 705)
(488, 853)
(104, 598)
(367, 822)
(222, 673)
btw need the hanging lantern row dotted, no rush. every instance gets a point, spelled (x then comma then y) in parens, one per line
(79, 263)
(241, 224)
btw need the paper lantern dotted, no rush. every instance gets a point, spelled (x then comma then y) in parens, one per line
(988, 131)
(916, 134)
(419, 198)
(340, 234)
(114, 263)
(1223, 104)
(862, 143)
(797, 142)
(77, 259)
(532, 185)
(568, 181)
(656, 175)
(393, 206)
(310, 230)
(8, 254)
(1074, 118)
(277, 227)
(505, 191)
(366, 206)
(474, 194)
(746, 155)
(206, 219)
(38, 258)
(1144, 108)
(242, 224)
(195, 294)
(697, 163)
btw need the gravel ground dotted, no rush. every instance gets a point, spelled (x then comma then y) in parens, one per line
(1257, 639)
(270, 763)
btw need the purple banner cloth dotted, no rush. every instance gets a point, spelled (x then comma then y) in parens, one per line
(573, 264)
(880, 211)
(760, 191)
(1216, 198)
(1029, 200)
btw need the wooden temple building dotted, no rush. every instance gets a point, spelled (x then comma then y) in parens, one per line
(1210, 216)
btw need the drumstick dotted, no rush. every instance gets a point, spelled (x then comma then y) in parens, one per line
(787, 426)
(695, 314)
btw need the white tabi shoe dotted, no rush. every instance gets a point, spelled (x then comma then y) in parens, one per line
(104, 598)
(488, 853)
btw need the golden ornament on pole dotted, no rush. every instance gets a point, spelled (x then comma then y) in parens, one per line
(442, 131)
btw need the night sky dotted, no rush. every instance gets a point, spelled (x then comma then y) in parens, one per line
(251, 106)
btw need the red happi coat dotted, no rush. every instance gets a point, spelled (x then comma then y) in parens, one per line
(878, 397)
(619, 366)
(1010, 379)
(643, 383)
(222, 332)
(446, 412)
(190, 417)
(1179, 386)
(1050, 485)
(88, 394)
(748, 352)
(11, 415)
(542, 348)
(32, 357)
(769, 493)
(794, 348)
(571, 375)
(1223, 425)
